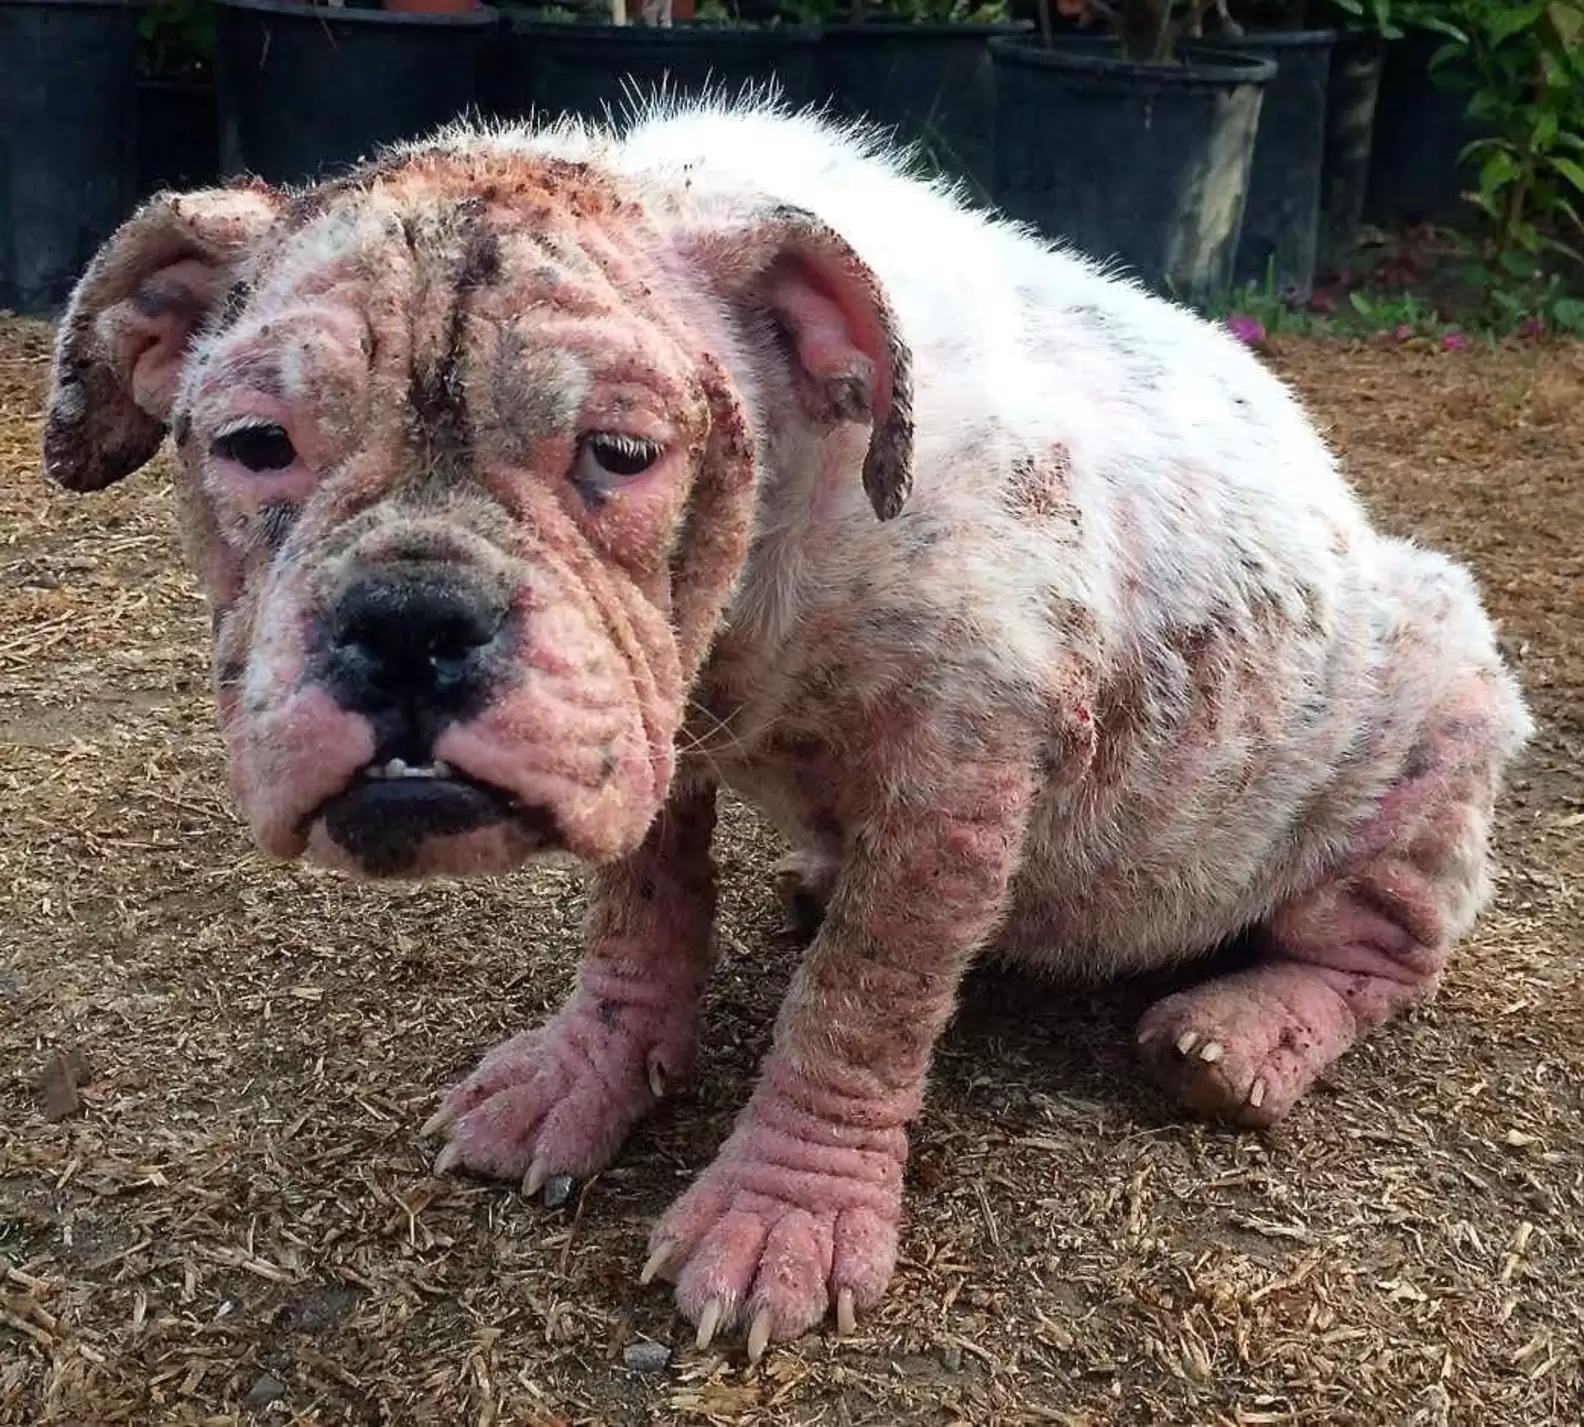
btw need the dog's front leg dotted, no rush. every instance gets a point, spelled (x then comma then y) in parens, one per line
(800, 1209)
(559, 1100)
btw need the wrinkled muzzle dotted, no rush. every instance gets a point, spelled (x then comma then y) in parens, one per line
(413, 717)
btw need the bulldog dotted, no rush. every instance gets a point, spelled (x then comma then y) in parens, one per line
(543, 482)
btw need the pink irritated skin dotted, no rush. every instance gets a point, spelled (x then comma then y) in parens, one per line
(799, 1211)
(1089, 683)
(564, 1095)
(1348, 955)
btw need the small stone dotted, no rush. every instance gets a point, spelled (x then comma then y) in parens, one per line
(265, 1390)
(644, 1356)
(951, 1358)
(557, 1190)
(64, 1072)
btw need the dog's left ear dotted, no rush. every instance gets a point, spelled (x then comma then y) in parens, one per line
(840, 333)
(124, 340)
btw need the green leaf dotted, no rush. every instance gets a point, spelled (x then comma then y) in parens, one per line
(1567, 20)
(1361, 304)
(1518, 265)
(1497, 172)
(1556, 245)
(1570, 169)
(1478, 146)
(1568, 313)
(1503, 23)
(1486, 205)
(1565, 207)
(1443, 27)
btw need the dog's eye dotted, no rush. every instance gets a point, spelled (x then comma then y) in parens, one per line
(623, 456)
(258, 448)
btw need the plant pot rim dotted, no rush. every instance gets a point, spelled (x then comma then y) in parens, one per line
(1273, 40)
(74, 4)
(1097, 58)
(481, 18)
(602, 34)
(894, 29)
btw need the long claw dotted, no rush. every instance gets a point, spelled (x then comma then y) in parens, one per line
(1256, 1095)
(449, 1157)
(1212, 1052)
(534, 1180)
(759, 1335)
(436, 1122)
(657, 1084)
(1187, 1041)
(655, 1263)
(709, 1320)
(846, 1319)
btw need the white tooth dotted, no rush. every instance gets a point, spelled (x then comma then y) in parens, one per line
(396, 768)
(441, 768)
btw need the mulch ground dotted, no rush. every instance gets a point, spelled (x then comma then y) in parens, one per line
(214, 1206)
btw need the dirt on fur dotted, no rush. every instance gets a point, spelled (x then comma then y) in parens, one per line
(215, 1207)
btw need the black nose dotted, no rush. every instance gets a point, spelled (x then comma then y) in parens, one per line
(414, 643)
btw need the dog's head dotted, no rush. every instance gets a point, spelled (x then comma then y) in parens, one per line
(468, 445)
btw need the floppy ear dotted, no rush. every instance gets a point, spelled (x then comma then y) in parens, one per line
(848, 355)
(124, 339)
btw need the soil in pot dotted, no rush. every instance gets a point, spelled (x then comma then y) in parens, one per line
(1351, 92)
(1281, 222)
(557, 67)
(307, 90)
(1147, 164)
(68, 141)
(932, 85)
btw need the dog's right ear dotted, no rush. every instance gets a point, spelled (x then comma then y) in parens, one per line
(124, 339)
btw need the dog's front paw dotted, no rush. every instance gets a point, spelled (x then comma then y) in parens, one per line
(795, 1216)
(555, 1103)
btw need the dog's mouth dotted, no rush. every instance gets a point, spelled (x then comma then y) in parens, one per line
(390, 807)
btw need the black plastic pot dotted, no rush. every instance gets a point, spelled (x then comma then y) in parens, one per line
(306, 90)
(932, 85)
(1281, 222)
(1350, 129)
(1145, 163)
(178, 135)
(557, 68)
(1420, 128)
(68, 71)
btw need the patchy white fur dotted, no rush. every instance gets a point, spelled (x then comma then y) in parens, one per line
(1195, 472)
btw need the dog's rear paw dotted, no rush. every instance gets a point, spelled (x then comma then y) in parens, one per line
(555, 1103)
(1245, 1048)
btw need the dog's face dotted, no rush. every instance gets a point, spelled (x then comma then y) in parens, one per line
(467, 448)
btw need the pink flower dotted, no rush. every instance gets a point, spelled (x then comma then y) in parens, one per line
(1403, 332)
(1532, 326)
(1323, 303)
(1454, 342)
(1246, 329)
